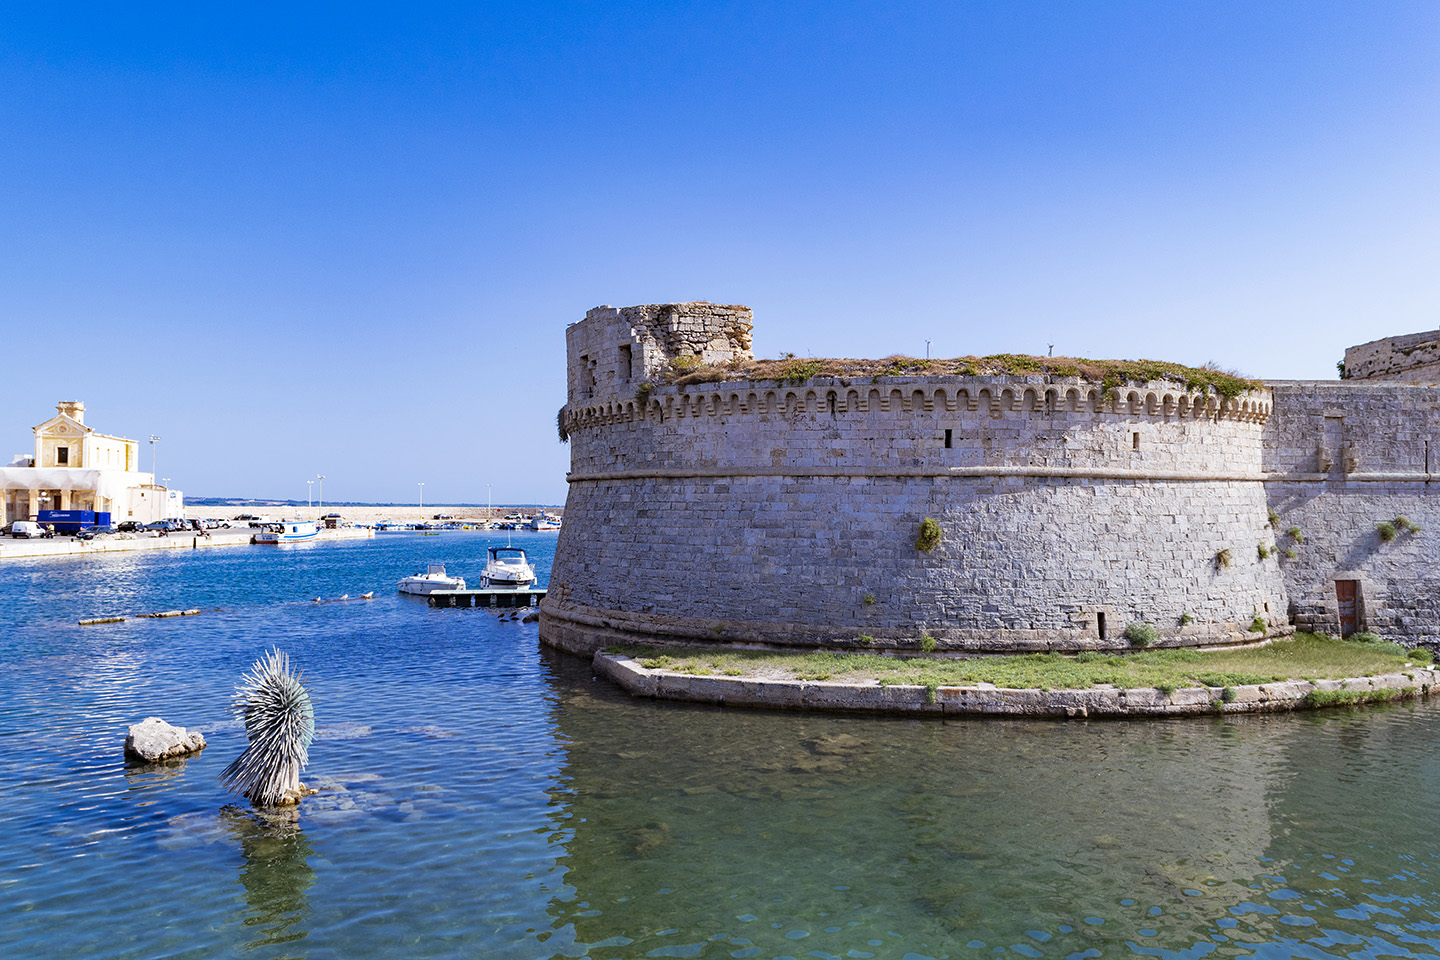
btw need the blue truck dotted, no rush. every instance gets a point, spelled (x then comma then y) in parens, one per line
(73, 521)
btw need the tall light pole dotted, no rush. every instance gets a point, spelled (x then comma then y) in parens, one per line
(320, 499)
(153, 440)
(422, 499)
(310, 496)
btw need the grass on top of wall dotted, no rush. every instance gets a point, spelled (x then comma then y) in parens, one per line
(1305, 657)
(1108, 373)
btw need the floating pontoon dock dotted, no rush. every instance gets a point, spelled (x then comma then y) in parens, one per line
(486, 598)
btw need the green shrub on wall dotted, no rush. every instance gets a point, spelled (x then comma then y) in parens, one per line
(930, 535)
(1141, 634)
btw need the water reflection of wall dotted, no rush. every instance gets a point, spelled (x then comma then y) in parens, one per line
(695, 818)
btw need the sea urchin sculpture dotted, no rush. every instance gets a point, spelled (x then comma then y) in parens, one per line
(280, 723)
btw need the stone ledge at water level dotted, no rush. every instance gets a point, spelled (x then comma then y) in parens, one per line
(988, 700)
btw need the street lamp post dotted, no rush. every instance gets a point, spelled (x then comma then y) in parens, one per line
(310, 496)
(422, 499)
(320, 499)
(153, 440)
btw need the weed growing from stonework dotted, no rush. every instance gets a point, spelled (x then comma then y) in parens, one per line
(1291, 553)
(864, 640)
(1141, 634)
(931, 690)
(1186, 619)
(1258, 625)
(1228, 695)
(1402, 523)
(927, 643)
(642, 393)
(868, 599)
(930, 535)
(560, 425)
(1387, 530)
(1222, 558)
(1274, 517)
(1335, 698)
(1165, 688)
(1263, 551)
(1296, 534)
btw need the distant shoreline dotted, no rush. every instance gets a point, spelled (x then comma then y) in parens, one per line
(359, 513)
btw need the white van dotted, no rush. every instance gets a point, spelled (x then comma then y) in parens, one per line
(29, 529)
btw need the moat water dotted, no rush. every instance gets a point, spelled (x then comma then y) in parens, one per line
(484, 798)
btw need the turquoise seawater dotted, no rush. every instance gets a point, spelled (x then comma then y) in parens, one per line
(482, 797)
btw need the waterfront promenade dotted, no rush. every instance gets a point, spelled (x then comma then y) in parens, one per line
(62, 546)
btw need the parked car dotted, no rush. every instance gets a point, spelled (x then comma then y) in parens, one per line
(97, 532)
(29, 529)
(129, 526)
(160, 527)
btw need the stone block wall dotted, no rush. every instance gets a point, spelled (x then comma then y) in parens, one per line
(1413, 358)
(1374, 443)
(1026, 563)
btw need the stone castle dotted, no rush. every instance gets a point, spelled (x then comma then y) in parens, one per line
(787, 512)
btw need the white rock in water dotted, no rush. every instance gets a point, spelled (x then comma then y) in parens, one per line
(153, 739)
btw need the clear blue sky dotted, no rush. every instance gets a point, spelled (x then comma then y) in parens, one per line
(348, 240)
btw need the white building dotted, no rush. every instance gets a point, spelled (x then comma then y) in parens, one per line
(76, 468)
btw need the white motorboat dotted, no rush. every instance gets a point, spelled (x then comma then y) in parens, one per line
(543, 521)
(434, 578)
(288, 531)
(507, 569)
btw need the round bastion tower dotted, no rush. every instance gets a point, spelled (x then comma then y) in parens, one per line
(710, 503)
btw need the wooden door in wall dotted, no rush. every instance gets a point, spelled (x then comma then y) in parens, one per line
(1345, 597)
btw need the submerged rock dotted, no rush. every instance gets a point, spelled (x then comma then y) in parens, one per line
(153, 740)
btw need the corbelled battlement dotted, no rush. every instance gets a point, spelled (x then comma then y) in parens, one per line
(996, 396)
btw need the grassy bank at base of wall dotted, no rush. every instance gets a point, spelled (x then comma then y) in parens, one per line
(1304, 657)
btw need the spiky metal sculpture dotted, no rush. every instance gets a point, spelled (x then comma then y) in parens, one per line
(280, 723)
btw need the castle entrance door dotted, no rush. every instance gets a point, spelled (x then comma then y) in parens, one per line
(1345, 594)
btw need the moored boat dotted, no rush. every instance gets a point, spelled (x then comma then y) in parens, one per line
(288, 531)
(434, 578)
(543, 521)
(507, 569)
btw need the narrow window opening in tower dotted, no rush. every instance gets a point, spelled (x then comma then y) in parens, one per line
(626, 364)
(947, 439)
(1135, 441)
(1100, 624)
(831, 399)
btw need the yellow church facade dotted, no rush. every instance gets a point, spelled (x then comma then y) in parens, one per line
(75, 467)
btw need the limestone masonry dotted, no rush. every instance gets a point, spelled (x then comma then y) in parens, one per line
(787, 513)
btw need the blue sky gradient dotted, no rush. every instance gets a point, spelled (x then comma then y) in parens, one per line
(347, 240)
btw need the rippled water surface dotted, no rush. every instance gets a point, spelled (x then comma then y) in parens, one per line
(483, 798)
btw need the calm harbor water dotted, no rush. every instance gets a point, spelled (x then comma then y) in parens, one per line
(484, 798)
